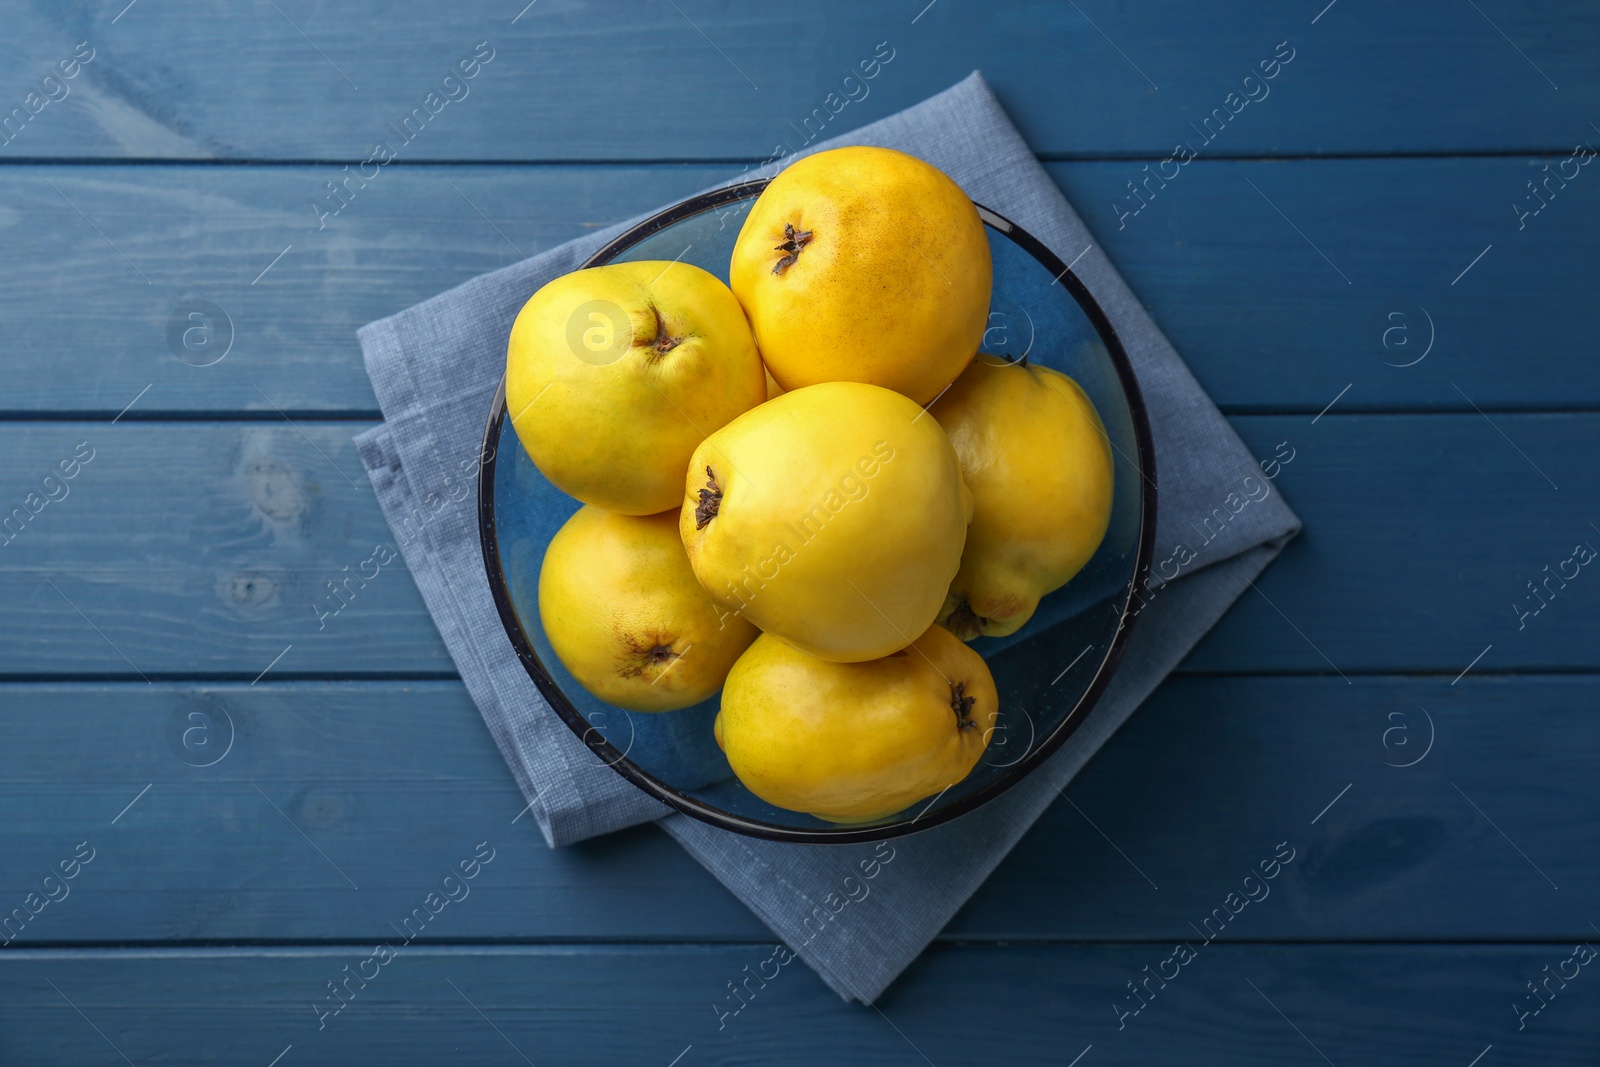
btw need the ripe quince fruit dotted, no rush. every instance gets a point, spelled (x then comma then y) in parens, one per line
(831, 517)
(626, 616)
(1036, 457)
(856, 742)
(864, 265)
(615, 374)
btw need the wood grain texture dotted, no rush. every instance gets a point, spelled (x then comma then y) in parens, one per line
(205, 548)
(251, 841)
(1423, 532)
(1264, 320)
(392, 784)
(169, 237)
(308, 79)
(958, 1005)
(183, 548)
(1282, 283)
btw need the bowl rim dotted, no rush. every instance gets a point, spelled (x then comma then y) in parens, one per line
(697, 809)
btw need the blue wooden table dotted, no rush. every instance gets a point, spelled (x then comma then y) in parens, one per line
(213, 804)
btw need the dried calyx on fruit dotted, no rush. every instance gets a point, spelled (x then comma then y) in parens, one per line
(961, 704)
(710, 501)
(662, 341)
(793, 241)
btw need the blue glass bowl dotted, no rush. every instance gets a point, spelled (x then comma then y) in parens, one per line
(1049, 674)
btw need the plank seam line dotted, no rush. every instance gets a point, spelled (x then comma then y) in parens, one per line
(357, 415)
(243, 678)
(1120, 156)
(564, 947)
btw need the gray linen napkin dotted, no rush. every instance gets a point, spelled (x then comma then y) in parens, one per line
(857, 914)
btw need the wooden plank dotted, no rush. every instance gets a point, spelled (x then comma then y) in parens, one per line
(1424, 532)
(713, 79)
(1282, 283)
(959, 1005)
(393, 783)
(200, 547)
(1266, 322)
(1384, 789)
(205, 548)
(279, 300)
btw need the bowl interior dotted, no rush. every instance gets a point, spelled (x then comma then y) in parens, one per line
(1048, 673)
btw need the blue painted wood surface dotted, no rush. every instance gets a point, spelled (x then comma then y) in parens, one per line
(318, 79)
(1264, 321)
(273, 511)
(959, 1004)
(250, 841)
(1404, 855)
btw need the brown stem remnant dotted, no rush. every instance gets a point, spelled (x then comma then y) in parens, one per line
(961, 704)
(661, 341)
(710, 501)
(793, 241)
(964, 622)
(644, 650)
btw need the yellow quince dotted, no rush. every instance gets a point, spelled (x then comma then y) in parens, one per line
(1036, 457)
(856, 742)
(831, 517)
(865, 265)
(615, 374)
(626, 616)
